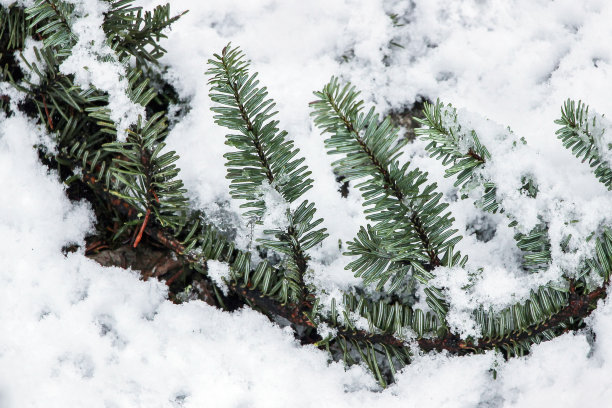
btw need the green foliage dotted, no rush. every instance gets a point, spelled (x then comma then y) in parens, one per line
(137, 34)
(411, 229)
(13, 32)
(58, 101)
(129, 31)
(146, 177)
(460, 149)
(62, 104)
(137, 170)
(264, 161)
(586, 134)
(263, 153)
(51, 20)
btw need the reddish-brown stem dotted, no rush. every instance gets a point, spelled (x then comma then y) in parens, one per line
(142, 228)
(47, 111)
(95, 246)
(475, 155)
(174, 277)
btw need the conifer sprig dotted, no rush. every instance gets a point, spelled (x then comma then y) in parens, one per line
(265, 160)
(147, 178)
(589, 136)
(136, 33)
(461, 151)
(57, 99)
(411, 231)
(264, 154)
(459, 148)
(52, 18)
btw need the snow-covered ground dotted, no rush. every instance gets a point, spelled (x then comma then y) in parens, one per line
(76, 334)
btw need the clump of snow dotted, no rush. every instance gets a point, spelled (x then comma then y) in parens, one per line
(457, 283)
(28, 54)
(275, 215)
(462, 137)
(325, 331)
(443, 381)
(94, 63)
(599, 134)
(15, 97)
(219, 272)
(357, 321)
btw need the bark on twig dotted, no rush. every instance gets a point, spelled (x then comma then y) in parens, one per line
(579, 305)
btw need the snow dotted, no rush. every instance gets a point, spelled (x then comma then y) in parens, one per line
(275, 215)
(30, 55)
(93, 62)
(219, 272)
(104, 338)
(81, 334)
(599, 134)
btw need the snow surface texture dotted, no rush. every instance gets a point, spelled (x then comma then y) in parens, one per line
(83, 335)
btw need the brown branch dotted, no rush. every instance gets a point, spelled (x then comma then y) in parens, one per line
(174, 277)
(475, 155)
(292, 312)
(579, 306)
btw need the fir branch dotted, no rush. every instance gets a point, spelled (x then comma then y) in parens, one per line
(460, 149)
(408, 215)
(587, 134)
(577, 305)
(145, 177)
(263, 151)
(139, 177)
(132, 32)
(450, 143)
(51, 18)
(59, 102)
(265, 159)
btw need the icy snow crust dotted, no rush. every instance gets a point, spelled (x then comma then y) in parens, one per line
(79, 334)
